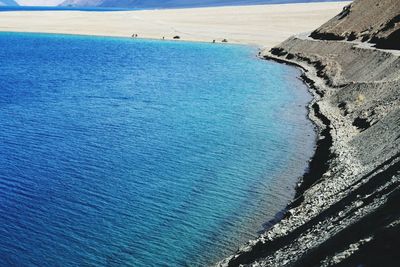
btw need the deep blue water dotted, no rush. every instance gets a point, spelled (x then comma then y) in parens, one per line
(121, 152)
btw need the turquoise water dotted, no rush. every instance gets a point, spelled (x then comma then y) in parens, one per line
(121, 152)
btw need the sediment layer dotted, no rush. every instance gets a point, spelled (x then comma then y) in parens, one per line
(347, 210)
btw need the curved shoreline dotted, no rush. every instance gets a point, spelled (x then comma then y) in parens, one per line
(321, 154)
(336, 207)
(314, 172)
(295, 90)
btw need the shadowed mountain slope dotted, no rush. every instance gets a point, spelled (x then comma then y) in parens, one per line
(365, 20)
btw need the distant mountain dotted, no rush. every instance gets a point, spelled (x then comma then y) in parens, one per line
(8, 3)
(93, 3)
(173, 3)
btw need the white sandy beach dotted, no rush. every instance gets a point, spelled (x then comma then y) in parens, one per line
(262, 25)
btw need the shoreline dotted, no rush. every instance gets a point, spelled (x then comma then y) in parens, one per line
(323, 141)
(266, 225)
(256, 25)
(284, 211)
(312, 175)
(342, 177)
(249, 55)
(254, 46)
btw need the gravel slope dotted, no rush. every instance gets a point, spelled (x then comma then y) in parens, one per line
(347, 210)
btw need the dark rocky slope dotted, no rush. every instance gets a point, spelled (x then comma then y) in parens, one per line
(377, 21)
(347, 211)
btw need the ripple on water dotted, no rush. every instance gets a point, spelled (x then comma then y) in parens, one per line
(132, 152)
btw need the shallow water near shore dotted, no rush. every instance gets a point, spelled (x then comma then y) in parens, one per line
(121, 152)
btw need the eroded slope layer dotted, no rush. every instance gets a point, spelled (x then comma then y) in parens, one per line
(377, 21)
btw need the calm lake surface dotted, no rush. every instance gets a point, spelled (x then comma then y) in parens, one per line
(122, 152)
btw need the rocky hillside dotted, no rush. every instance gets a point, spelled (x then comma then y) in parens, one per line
(354, 23)
(347, 210)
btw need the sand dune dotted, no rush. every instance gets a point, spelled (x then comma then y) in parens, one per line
(263, 25)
